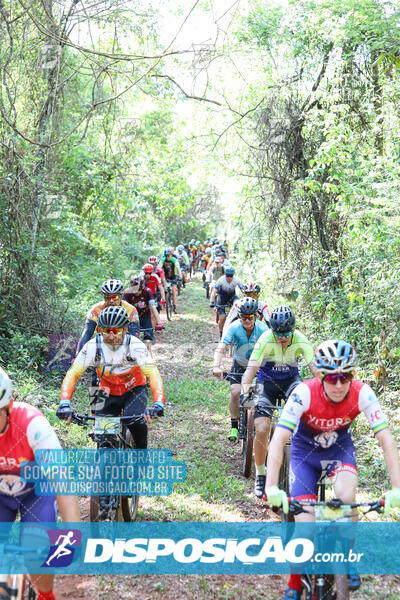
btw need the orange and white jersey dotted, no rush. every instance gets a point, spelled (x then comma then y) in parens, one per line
(118, 370)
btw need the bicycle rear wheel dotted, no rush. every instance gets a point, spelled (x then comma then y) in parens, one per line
(247, 445)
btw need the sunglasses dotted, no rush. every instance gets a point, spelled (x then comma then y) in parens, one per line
(335, 377)
(229, 276)
(286, 334)
(247, 317)
(115, 330)
(112, 298)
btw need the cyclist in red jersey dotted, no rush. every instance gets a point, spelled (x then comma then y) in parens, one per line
(142, 299)
(158, 270)
(23, 430)
(153, 282)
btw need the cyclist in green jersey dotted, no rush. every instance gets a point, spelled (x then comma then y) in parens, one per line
(274, 360)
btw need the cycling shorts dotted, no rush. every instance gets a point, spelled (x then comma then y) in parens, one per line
(32, 508)
(310, 466)
(223, 302)
(172, 281)
(146, 326)
(267, 393)
(131, 403)
(236, 373)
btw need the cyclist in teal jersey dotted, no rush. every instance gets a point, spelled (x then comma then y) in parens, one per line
(274, 360)
(243, 334)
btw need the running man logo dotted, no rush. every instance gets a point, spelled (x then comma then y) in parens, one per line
(62, 547)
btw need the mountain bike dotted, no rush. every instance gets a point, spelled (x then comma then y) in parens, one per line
(329, 587)
(247, 434)
(111, 432)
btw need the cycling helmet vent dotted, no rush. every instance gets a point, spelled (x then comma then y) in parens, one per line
(247, 306)
(230, 271)
(113, 316)
(252, 287)
(112, 287)
(282, 319)
(335, 356)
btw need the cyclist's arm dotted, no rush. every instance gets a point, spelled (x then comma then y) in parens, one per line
(69, 508)
(154, 311)
(178, 268)
(391, 455)
(155, 381)
(219, 353)
(369, 404)
(87, 333)
(249, 374)
(75, 372)
(134, 328)
(275, 455)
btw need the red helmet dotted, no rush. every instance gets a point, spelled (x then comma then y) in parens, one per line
(153, 260)
(148, 268)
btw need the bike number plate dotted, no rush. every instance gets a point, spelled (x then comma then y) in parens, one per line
(108, 425)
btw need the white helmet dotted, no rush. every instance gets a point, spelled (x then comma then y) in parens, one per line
(335, 356)
(5, 388)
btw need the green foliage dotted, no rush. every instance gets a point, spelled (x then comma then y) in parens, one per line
(21, 350)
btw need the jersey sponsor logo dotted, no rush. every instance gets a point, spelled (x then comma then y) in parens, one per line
(326, 439)
(10, 462)
(296, 398)
(12, 485)
(376, 416)
(334, 423)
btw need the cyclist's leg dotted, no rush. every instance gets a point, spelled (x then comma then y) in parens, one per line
(265, 398)
(38, 509)
(174, 293)
(135, 402)
(235, 379)
(148, 331)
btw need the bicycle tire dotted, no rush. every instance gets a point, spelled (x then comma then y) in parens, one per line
(342, 587)
(247, 447)
(284, 470)
(168, 304)
(129, 504)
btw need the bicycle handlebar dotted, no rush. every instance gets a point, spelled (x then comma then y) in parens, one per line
(297, 506)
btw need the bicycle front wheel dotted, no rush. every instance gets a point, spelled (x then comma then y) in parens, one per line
(168, 305)
(129, 504)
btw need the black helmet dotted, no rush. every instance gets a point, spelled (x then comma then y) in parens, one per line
(282, 319)
(112, 287)
(113, 316)
(247, 306)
